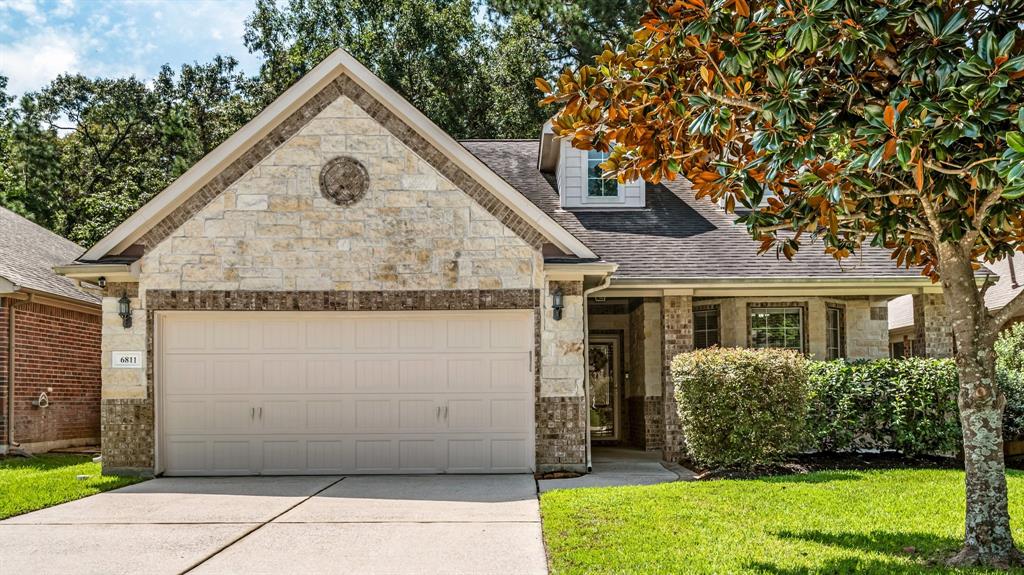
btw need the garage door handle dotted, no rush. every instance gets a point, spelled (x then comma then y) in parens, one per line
(446, 412)
(252, 413)
(261, 412)
(438, 414)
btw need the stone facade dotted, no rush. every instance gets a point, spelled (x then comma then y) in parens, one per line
(561, 409)
(424, 237)
(933, 333)
(866, 321)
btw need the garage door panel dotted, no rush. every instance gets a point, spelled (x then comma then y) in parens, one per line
(283, 457)
(376, 374)
(231, 456)
(419, 456)
(374, 456)
(233, 374)
(375, 335)
(342, 393)
(229, 334)
(285, 374)
(325, 456)
(188, 373)
(281, 335)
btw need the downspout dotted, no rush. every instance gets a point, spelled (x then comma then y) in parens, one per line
(11, 443)
(586, 362)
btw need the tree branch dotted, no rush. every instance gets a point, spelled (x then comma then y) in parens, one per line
(1012, 308)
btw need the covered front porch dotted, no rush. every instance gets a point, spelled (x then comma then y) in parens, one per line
(632, 338)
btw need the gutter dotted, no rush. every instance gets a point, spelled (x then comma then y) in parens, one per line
(606, 281)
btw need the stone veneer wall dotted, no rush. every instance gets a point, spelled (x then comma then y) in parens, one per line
(677, 334)
(933, 332)
(260, 236)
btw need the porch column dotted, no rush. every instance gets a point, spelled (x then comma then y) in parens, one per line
(677, 337)
(561, 405)
(933, 334)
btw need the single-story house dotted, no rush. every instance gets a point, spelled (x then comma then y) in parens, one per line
(49, 343)
(904, 311)
(341, 287)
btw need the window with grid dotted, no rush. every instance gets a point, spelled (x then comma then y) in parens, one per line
(705, 327)
(780, 327)
(598, 187)
(835, 331)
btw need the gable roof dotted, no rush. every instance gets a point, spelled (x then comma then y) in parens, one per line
(677, 237)
(28, 253)
(207, 174)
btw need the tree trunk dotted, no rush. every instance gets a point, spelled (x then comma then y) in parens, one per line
(987, 536)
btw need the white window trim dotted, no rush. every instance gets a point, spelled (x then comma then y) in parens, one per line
(586, 198)
(779, 309)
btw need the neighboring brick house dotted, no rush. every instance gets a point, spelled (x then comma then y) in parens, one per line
(911, 335)
(49, 341)
(341, 287)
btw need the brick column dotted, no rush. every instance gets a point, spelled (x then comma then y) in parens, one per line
(933, 334)
(561, 405)
(677, 337)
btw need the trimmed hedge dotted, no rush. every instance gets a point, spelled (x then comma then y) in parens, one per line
(741, 407)
(906, 405)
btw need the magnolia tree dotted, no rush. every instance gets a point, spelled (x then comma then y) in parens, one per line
(894, 123)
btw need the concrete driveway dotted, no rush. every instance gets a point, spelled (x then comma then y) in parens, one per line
(297, 525)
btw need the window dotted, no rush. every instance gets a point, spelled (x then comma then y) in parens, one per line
(835, 331)
(598, 187)
(777, 327)
(705, 327)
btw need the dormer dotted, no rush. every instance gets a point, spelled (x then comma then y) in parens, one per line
(578, 175)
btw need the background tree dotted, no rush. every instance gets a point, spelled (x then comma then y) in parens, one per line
(897, 124)
(463, 73)
(575, 29)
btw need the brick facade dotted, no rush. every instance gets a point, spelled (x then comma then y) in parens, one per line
(677, 321)
(57, 352)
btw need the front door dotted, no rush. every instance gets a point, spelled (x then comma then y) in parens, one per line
(604, 388)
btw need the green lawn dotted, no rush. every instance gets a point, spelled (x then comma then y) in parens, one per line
(27, 484)
(898, 521)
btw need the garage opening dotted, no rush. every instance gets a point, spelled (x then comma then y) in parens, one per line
(281, 393)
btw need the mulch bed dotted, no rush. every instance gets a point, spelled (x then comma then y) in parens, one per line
(808, 463)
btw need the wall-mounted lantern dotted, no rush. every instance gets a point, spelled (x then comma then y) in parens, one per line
(556, 304)
(124, 309)
(101, 282)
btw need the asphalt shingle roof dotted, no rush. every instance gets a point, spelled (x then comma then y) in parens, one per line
(676, 236)
(28, 254)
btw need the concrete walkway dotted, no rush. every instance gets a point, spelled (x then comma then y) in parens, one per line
(616, 466)
(301, 525)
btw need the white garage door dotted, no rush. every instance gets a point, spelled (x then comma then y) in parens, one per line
(325, 393)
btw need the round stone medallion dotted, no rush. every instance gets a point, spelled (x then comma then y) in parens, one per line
(344, 180)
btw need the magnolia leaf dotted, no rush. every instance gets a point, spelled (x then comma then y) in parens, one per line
(1016, 141)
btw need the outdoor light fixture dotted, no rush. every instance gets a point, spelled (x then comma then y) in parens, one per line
(124, 309)
(556, 304)
(102, 282)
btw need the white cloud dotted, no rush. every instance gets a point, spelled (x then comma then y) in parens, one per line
(34, 61)
(29, 9)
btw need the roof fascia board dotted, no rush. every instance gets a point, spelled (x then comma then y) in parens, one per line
(330, 68)
(91, 272)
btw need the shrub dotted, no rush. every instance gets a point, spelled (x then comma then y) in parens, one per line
(1010, 375)
(906, 405)
(741, 407)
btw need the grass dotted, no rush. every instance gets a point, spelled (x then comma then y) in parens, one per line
(891, 522)
(27, 484)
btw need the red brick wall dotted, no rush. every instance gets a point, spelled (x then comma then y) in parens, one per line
(4, 302)
(57, 351)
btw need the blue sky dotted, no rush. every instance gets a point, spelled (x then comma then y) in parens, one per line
(40, 39)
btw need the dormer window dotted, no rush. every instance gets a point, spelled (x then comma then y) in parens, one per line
(597, 186)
